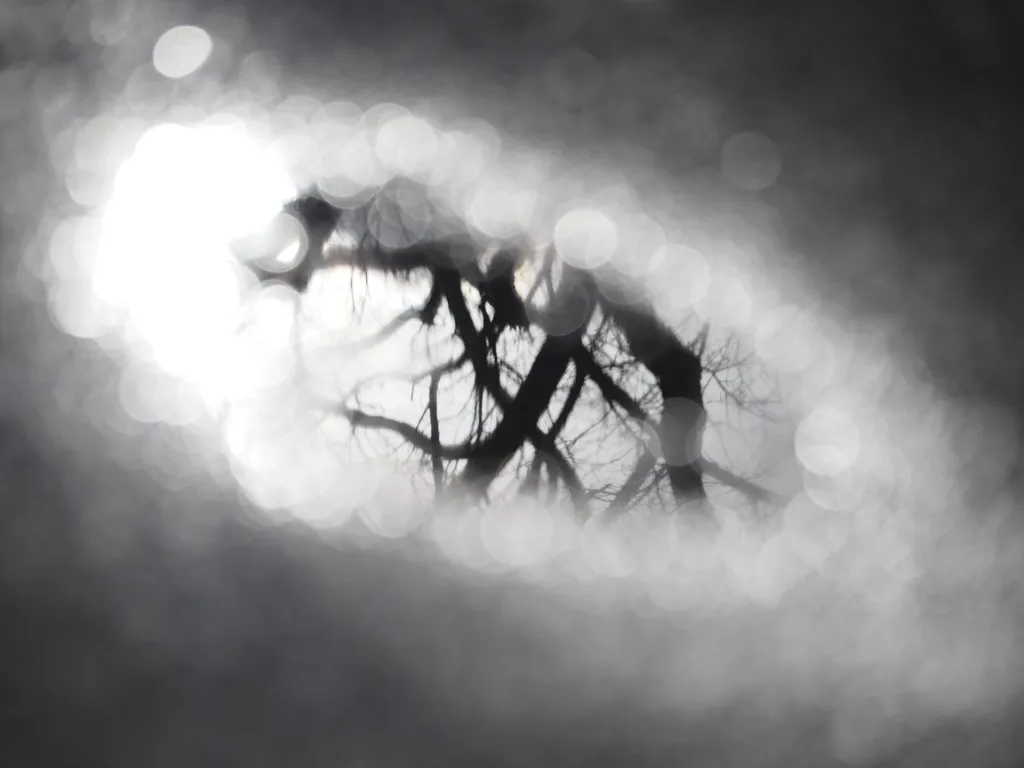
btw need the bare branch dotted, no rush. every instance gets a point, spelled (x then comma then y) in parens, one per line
(638, 344)
(570, 404)
(449, 366)
(542, 275)
(700, 343)
(435, 434)
(361, 419)
(532, 481)
(521, 413)
(750, 489)
(633, 483)
(612, 392)
(389, 330)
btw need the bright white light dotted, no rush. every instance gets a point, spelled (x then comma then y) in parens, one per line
(164, 260)
(279, 465)
(181, 51)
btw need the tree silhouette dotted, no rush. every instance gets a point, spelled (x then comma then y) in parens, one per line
(540, 354)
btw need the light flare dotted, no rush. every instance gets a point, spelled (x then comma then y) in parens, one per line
(164, 260)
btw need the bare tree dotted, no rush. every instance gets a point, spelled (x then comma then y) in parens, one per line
(550, 360)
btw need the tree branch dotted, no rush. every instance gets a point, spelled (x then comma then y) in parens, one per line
(389, 330)
(613, 393)
(435, 434)
(748, 488)
(570, 404)
(675, 367)
(522, 413)
(361, 419)
(631, 487)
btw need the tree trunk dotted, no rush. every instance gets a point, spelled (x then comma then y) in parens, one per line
(677, 371)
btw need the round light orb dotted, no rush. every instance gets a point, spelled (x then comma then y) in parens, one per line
(180, 51)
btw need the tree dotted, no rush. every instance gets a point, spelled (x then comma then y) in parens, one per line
(541, 352)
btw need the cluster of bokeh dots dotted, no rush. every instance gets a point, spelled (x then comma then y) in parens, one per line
(181, 187)
(150, 266)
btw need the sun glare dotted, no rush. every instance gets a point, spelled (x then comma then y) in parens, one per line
(177, 202)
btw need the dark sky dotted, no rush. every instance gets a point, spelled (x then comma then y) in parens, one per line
(268, 648)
